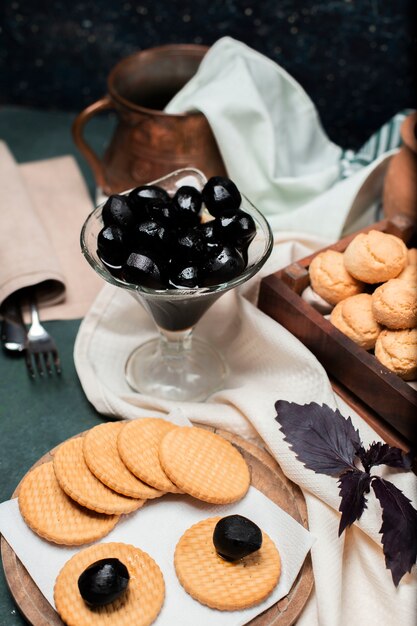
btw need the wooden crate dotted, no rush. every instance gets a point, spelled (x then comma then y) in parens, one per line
(358, 371)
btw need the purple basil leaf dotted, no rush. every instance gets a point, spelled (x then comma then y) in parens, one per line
(354, 484)
(322, 439)
(399, 528)
(383, 454)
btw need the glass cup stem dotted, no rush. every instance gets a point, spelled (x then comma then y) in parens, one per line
(175, 343)
(176, 366)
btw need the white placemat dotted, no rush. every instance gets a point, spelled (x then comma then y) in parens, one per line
(156, 529)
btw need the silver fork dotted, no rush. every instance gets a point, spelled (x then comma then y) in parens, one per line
(40, 346)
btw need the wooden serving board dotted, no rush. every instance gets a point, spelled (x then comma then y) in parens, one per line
(390, 399)
(266, 475)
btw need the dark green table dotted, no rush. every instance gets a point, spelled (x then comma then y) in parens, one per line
(36, 415)
(33, 135)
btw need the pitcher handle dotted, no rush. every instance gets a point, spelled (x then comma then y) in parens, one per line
(92, 159)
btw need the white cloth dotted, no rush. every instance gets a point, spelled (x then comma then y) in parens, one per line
(156, 529)
(271, 139)
(278, 155)
(267, 363)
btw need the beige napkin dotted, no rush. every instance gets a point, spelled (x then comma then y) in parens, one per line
(43, 205)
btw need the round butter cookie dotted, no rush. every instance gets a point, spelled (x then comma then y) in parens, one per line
(375, 257)
(394, 304)
(204, 465)
(103, 459)
(397, 350)
(81, 485)
(51, 514)
(220, 584)
(330, 279)
(138, 445)
(354, 318)
(138, 606)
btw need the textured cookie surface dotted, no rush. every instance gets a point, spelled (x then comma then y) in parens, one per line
(222, 584)
(394, 304)
(375, 257)
(102, 457)
(330, 279)
(204, 465)
(397, 350)
(138, 445)
(50, 513)
(354, 318)
(138, 606)
(82, 486)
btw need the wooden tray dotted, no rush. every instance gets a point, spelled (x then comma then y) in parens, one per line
(358, 371)
(266, 476)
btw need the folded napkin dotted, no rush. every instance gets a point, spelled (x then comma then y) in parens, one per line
(43, 205)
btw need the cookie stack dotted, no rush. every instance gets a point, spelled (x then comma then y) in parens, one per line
(372, 286)
(112, 470)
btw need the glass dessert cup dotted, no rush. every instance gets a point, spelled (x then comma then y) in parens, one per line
(176, 365)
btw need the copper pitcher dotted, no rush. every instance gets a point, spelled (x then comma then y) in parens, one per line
(400, 186)
(147, 142)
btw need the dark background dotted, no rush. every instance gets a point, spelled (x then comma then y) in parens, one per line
(355, 58)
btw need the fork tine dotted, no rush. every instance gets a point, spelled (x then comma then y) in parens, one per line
(29, 365)
(47, 362)
(57, 361)
(41, 349)
(38, 363)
